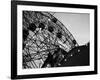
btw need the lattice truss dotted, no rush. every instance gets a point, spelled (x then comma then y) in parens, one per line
(45, 39)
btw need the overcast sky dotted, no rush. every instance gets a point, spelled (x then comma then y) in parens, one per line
(78, 24)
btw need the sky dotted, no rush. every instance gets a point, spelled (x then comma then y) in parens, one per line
(78, 24)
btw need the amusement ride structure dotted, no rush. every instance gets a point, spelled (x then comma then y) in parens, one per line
(46, 41)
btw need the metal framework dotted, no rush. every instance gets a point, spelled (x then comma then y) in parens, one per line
(46, 41)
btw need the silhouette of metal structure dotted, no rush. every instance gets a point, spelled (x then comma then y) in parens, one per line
(46, 41)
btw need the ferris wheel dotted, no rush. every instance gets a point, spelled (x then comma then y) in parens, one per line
(46, 41)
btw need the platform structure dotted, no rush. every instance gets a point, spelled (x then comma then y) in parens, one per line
(46, 40)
